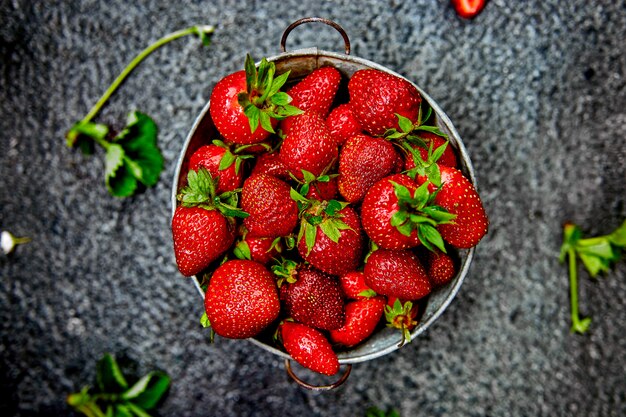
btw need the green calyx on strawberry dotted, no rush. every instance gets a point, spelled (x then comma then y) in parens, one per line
(258, 249)
(263, 100)
(330, 237)
(323, 187)
(417, 211)
(401, 316)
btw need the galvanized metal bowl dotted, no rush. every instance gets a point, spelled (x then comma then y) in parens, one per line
(300, 63)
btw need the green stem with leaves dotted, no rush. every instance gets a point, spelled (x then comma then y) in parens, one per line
(578, 325)
(201, 31)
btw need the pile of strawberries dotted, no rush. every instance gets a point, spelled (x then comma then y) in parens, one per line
(323, 211)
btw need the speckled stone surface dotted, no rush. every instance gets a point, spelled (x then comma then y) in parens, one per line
(537, 89)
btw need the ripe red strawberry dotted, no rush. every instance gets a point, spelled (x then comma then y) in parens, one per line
(315, 92)
(362, 317)
(330, 237)
(200, 237)
(323, 190)
(440, 267)
(270, 163)
(363, 161)
(342, 123)
(221, 163)
(308, 146)
(258, 249)
(396, 273)
(267, 200)
(401, 315)
(354, 287)
(448, 157)
(379, 206)
(459, 197)
(242, 102)
(309, 348)
(376, 97)
(397, 214)
(241, 299)
(314, 299)
(200, 230)
(468, 8)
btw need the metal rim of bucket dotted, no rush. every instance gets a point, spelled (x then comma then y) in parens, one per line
(392, 339)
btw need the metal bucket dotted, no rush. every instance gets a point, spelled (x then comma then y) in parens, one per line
(302, 62)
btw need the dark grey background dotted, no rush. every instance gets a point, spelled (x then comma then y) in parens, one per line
(537, 89)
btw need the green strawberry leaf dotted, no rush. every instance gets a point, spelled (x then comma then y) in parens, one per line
(147, 392)
(227, 160)
(333, 208)
(405, 124)
(281, 99)
(204, 320)
(430, 236)
(200, 189)
(618, 236)
(310, 235)
(80, 133)
(109, 377)
(242, 250)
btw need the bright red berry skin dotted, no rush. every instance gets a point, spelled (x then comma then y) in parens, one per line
(362, 317)
(309, 347)
(267, 200)
(315, 92)
(241, 299)
(200, 237)
(308, 146)
(323, 191)
(458, 196)
(209, 157)
(336, 258)
(397, 273)
(342, 123)
(448, 157)
(270, 163)
(315, 299)
(227, 114)
(354, 287)
(468, 9)
(377, 96)
(440, 267)
(379, 205)
(262, 249)
(363, 161)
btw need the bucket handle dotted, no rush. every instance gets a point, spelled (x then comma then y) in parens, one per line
(306, 385)
(328, 22)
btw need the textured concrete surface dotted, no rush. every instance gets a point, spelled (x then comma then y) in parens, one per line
(537, 89)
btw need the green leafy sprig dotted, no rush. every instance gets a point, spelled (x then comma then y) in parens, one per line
(263, 99)
(132, 157)
(597, 255)
(376, 412)
(114, 396)
(417, 211)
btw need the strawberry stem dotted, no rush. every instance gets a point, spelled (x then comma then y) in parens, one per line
(201, 31)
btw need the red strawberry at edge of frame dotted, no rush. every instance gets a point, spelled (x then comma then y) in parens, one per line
(377, 96)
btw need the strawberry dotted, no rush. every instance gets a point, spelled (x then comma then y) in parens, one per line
(270, 163)
(447, 158)
(258, 249)
(468, 8)
(458, 196)
(396, 273)
(363, 161)
(315, 92)
(440, 267)
(201, 226)
(314, 299)
(354, 287)
(241, 299)
(309, 347)
(221, 163)
(272, 212)
(246, 105)
(376, 97)
(308, 146)
(397, 214)
(330, 237)
(401, 315)
(342, 123)
(362, 317)
(323, 190)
